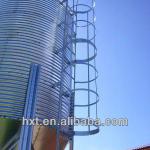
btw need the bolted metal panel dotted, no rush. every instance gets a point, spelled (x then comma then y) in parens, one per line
(33, 32)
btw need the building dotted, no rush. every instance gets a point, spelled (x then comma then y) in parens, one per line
(143, 148)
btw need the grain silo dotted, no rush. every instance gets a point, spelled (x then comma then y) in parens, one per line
(39, 44)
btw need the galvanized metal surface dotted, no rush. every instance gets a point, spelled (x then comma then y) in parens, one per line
(32, 32)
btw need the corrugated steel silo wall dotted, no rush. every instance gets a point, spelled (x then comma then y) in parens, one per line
(30, 32)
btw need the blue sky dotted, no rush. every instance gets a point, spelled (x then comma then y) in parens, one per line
(123, 42)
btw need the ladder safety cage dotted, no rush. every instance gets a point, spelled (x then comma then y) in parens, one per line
(85, 51)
